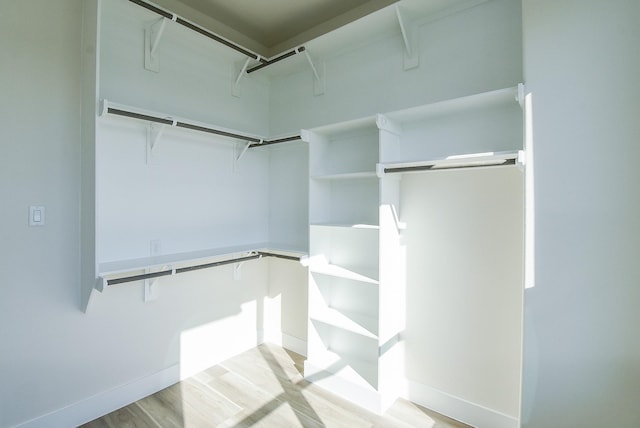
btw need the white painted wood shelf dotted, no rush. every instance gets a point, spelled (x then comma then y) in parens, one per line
(346, 176)
(168, 262)
(368, 275)
(363, 325)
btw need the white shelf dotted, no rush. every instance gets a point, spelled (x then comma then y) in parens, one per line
(349, 321)
(456, 105)
(347, 367)
(346, 127)
(192, 257)
(346, 176)
(367, 275)
(347, 226)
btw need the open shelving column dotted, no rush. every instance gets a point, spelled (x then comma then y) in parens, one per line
(356, 287)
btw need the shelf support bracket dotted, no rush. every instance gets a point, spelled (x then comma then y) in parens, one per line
(152, 36)
(410, 37)
(237, 271)
(240, 153)
(318, 77)
(154, 133)
(520, 96)
(235, 87)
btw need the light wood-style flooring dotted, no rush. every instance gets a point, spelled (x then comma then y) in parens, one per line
(262, 387)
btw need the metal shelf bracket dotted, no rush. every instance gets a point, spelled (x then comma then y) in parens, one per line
(410, 37)
(235, 87)
(318, 75)
(152, 36)
(154, 133)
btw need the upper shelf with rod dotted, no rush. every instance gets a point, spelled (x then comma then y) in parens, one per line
(124, 271)
(473, 160)
(154, 34)
(110, 108)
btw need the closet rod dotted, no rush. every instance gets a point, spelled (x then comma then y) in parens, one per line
(437, 167)
(276, 59)
(279, 140)
(255, 255)
(279, 256)
(197, 29)
(125, 113)
(217, 132)
(256, 142)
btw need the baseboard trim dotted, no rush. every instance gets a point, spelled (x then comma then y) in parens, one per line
(458, 408)
(364, 397)
(294, 344)
(105, 402)
(291, 343)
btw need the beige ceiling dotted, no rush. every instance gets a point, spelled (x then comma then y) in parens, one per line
(270, 27)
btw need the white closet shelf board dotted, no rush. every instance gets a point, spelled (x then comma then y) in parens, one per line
(349, 368)
(346, 176)
(349, 321)
(192, 257)
(344, 225)
(457, 105)
(346, 127)
(367, 275)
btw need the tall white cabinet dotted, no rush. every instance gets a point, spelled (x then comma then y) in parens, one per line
(356, 285)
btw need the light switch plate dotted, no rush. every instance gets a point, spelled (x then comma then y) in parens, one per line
(36, 215)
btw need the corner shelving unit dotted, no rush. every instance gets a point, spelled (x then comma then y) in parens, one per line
(353, 293)
(356, 259)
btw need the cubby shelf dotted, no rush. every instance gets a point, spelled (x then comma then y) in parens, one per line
(354, 370)
(355, 323)
(458, 105)
(367, 275)
(346, 176)
(347, 225)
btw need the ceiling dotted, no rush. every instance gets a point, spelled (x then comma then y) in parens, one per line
(270, 27)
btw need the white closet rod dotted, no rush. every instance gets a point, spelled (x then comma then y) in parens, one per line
(252, 256)
(476, 160)
(119, 110)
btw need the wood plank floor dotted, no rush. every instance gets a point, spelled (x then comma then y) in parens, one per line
(262, 387)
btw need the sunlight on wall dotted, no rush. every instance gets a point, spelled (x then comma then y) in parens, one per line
(272, 319)
(206, 345)
(529, 203)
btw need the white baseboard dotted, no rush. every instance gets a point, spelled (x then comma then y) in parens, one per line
(108, 401)
(291, 343)
(294, 344)
(458, 408)
(365, 397)
(105, 402)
